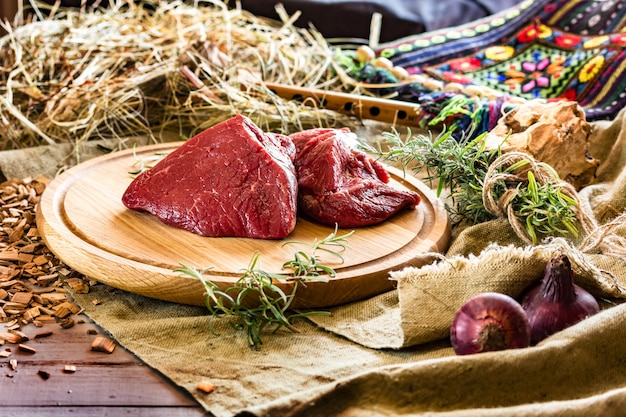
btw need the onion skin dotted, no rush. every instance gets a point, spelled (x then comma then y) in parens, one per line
(556, 302)
(489, 322)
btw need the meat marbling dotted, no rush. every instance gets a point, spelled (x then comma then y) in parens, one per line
(232, 179)
(338, 184)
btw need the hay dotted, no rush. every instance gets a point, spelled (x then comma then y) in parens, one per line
(73, 75)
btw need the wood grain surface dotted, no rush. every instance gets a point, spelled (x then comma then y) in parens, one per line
(102, 385)
(83, 221)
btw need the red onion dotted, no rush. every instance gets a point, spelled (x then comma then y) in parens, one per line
(556, 302)
(488, 322)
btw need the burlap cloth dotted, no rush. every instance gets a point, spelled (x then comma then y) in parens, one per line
(390, 355)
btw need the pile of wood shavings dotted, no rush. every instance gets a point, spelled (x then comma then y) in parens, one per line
(31, 278)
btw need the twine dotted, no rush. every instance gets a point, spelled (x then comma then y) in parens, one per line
(597, 238)
(605, 240)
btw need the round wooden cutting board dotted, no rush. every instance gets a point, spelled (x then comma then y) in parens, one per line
(83, 221)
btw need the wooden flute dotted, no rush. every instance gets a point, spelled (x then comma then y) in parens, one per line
(363, 107)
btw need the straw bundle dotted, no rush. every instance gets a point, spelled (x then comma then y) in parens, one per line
(72, 75)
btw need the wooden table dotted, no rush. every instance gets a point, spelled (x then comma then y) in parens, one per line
(102, 384)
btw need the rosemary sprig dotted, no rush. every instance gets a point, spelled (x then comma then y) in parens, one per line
(455, 166)
(545, 210)
(305, 265)
(255, 302)
(461, 168)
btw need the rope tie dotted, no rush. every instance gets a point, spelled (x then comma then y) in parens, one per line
(512, 168)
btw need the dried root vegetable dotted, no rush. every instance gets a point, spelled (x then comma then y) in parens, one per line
(79, 74)
(554, 133)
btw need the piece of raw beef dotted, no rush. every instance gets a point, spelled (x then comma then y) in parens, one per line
(338, 184)
(232, 179)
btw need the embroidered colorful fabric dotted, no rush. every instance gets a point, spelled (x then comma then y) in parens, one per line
(548, 63)
(548, 49)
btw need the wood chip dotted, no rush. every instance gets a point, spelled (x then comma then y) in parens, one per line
(206, 387)
(10, 305)
(69, 369)
(78, 285)
(53, 298)
(26, 349)
(62, 312)
(10, 255)
(12, 337)
(47, 333)
(8, 284)
(23, 336)
(22, 297)
(73, 308)
(32, 313)
(25, 257)
(46, 319)
(30, 247)
(47, 279)
(40, 260)
(67, 322)
(102, 344)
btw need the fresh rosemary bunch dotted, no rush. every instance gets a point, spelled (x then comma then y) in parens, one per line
(255, 302)
(457, 167)
(543, 209)
(535, 209)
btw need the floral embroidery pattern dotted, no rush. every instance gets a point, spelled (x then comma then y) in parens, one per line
(552, 49)
(591, 68)
(499, 53)
(538, 62)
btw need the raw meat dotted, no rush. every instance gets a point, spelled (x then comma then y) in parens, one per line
(338, 184)
(232, 179)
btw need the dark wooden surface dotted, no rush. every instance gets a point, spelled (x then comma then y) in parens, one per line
(115, 384)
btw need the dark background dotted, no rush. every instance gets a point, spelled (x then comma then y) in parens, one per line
(352, 18)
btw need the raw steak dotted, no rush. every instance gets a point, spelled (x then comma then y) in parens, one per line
(338, 184)
(232, 179)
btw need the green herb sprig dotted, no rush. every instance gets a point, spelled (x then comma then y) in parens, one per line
(457, 167)
(255, 301)
(533, 198)
(306, 265)
(461, 167)
(546, 210)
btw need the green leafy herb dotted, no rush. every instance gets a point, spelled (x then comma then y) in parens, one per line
(545, 210)
(535, 201)
(308, 265)
(255, 301)
(470, 173)
(455, 166)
